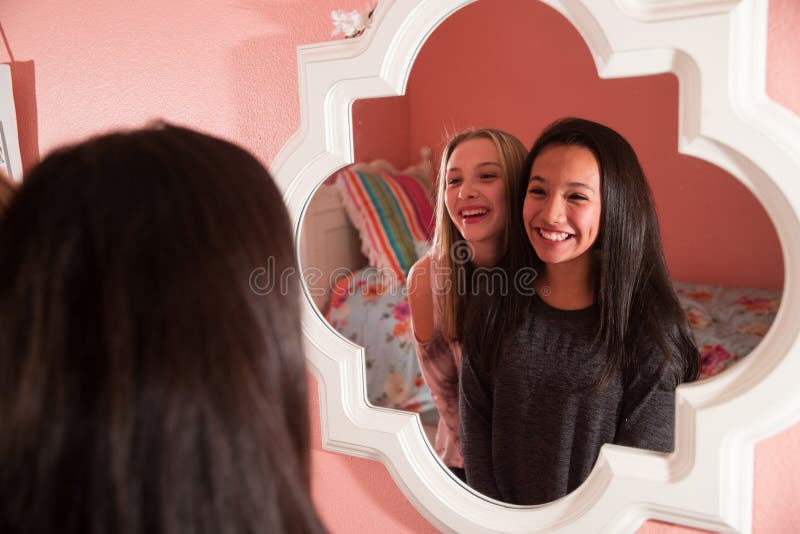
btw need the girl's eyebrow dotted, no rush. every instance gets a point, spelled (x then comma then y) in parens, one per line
(483, 164)
(580, 185)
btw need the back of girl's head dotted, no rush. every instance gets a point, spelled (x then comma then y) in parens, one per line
(144, 385)
(632, 282)
(511, 154)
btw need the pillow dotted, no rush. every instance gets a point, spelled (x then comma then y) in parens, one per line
(391, 212)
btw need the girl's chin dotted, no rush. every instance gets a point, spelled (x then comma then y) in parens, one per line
(550, 257)
(547, 250)
(479, 234)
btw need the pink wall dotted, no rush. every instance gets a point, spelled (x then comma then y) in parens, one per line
(230, 68)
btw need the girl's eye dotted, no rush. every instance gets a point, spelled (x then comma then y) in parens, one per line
(538, 191)
(453, 181)
(488, 176)
(577, 196)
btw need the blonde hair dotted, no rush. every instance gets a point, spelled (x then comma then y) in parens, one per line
(511, 153)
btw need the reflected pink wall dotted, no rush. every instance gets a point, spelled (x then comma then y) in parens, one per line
(230, 68)
(381, 130)
(518, 65)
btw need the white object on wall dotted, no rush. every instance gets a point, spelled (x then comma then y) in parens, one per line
(10, 159)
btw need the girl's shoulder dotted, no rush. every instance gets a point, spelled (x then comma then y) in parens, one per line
(420, 299)
(422, 264)
(663, 358)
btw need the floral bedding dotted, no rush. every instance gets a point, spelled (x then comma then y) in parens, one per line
(727, 324)
(373, 312)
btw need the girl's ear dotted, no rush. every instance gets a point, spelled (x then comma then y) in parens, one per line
(597, 247)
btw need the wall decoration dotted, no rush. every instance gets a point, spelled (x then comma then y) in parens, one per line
(10, 159)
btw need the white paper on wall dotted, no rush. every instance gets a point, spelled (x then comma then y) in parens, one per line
(10, 159)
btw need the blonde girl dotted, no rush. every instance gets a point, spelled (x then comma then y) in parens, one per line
(476, 218)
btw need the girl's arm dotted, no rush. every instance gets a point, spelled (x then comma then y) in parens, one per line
(420, 299)
(647, 420)
(438, 364)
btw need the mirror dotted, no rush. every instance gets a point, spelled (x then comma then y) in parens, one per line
(730, 293)
(686, 487)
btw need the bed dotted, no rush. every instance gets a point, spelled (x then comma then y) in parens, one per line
(727, 323)
(367, 225)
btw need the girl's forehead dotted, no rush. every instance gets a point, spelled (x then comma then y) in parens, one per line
(566, 164)
(473, 156)
(474, 146)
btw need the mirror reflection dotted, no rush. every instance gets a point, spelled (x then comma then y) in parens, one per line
(368, 224)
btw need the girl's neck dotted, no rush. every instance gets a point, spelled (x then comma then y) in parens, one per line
(568, 286)
(485, 253)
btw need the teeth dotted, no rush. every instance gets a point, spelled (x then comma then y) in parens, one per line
(470, 213)
(553, 236)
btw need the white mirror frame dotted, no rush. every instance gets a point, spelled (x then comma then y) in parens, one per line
(717, 49)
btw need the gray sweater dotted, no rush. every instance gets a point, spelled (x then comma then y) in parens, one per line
(535, 433)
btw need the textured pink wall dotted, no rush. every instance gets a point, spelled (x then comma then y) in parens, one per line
(225, 67)
(230, 68)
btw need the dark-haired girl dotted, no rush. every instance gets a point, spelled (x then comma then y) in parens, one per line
(595, 355)
(145, 386)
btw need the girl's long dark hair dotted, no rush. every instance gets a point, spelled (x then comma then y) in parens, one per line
(146, 386)
(634, 294)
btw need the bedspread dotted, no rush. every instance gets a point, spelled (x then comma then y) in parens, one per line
(373, 312)
(727, 323)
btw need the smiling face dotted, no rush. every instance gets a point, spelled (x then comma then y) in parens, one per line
(475, 192)
(563, 205)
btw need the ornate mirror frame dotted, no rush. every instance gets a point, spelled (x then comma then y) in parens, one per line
(717, 49)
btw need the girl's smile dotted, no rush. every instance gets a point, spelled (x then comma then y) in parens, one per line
(473, 214)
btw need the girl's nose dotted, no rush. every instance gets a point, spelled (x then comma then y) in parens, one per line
(467, 191)
(554, 211)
